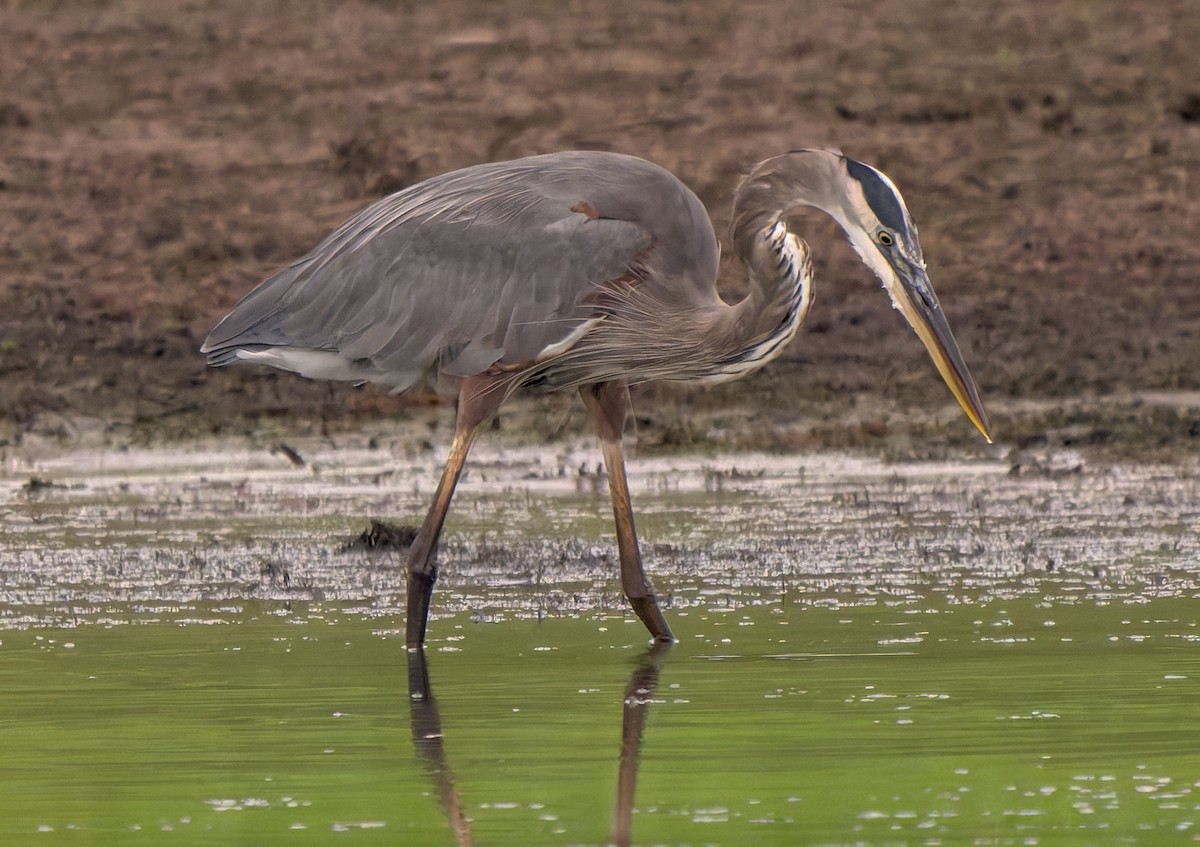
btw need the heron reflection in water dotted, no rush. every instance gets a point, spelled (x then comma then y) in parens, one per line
(584, 271)
(426, 723)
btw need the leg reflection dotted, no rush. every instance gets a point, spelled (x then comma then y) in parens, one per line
(638, 694)
(427, 741)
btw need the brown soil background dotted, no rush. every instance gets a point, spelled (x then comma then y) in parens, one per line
(158, 159)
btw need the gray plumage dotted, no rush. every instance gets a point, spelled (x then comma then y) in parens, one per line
(483, 266)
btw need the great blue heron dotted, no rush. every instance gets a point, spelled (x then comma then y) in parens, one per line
(577, 270)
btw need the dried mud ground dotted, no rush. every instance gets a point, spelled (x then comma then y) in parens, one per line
(159, 159)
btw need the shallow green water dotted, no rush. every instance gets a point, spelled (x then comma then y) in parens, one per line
(1025, 721)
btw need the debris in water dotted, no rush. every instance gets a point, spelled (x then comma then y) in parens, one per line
(37, 484)
(291, 453)
(381, 535)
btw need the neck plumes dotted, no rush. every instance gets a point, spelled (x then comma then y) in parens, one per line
(779, 265)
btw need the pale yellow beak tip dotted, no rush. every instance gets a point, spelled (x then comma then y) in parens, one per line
(983, 428)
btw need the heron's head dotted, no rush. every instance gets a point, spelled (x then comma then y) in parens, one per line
(870, 209)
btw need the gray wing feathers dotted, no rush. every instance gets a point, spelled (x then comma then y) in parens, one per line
(457, 273)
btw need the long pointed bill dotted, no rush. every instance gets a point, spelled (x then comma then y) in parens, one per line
(918, 303)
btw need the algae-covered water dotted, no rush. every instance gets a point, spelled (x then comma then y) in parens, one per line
(1017, 722)
(869, 653)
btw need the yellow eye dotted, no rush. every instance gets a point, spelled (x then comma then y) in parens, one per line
(885, 238)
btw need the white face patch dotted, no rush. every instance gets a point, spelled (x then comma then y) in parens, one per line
(864, 245)
(880, 200)
(858, 218)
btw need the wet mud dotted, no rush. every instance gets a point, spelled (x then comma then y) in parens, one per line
(530, 533)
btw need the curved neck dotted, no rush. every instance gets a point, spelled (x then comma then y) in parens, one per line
(756, 330)
(767, 194)
(777, 261)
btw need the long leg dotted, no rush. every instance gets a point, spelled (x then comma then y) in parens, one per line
(609, 404)
(478, 399)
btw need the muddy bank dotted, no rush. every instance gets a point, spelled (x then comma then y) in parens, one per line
(157, 160)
